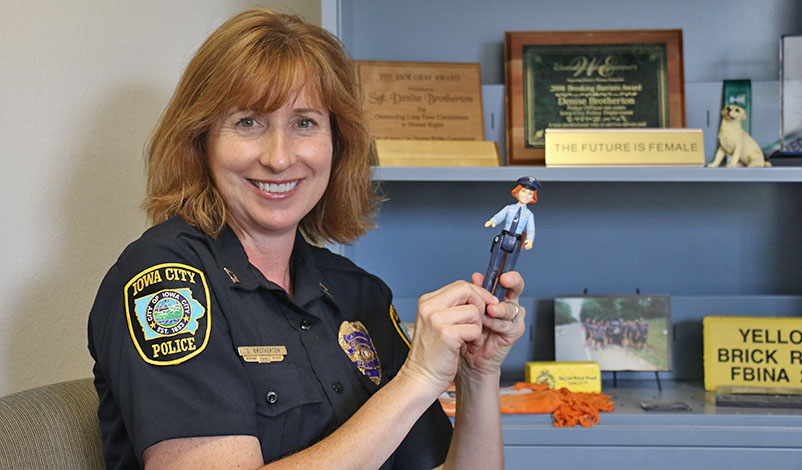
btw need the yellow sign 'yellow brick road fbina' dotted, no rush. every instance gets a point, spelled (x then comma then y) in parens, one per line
(763, 352)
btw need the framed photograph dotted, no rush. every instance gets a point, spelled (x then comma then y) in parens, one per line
(619, 332)
(589, 79)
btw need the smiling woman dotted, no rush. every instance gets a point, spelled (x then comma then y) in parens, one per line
(223, 339)
(241, 71)
(271, 169)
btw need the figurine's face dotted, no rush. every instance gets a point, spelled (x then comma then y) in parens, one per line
(525, 196)
(734, 112)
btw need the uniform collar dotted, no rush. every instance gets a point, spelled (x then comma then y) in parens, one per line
(233, 261)
(308, 280)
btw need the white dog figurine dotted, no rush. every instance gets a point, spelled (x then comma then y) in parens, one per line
(733, 140)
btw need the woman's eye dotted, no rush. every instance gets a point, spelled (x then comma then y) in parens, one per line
(246, 122)
(306, 123)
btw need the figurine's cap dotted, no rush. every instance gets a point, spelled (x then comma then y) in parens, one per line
(529, 182)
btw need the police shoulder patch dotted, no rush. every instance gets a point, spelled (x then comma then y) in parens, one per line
(399, 327)
(167, 309)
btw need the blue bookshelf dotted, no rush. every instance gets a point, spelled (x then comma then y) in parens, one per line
(719, 241)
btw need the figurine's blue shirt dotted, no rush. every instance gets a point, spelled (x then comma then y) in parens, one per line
(526, 223)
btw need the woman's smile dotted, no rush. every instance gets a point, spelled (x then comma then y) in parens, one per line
(279, 190)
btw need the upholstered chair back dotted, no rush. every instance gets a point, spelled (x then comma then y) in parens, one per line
(51, 427)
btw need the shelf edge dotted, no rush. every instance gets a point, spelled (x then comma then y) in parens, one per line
(590, 174)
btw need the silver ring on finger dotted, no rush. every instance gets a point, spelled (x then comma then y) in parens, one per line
(514, 318)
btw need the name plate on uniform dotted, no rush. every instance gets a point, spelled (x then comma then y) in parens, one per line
(262, 354)
(624, 147)
(763, 352)
(422, 100)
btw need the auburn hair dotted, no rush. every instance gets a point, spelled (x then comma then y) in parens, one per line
(258, 60)
(518, 189)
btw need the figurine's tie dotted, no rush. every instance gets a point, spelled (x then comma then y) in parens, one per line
(514, 224)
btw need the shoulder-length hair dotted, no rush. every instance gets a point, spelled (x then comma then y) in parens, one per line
(257, 60)
(518, 189)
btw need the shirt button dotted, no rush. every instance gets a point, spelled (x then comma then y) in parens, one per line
(337, 387)
(306, 325)
(271, 397)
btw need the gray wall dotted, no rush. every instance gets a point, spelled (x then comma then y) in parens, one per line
(723, 40)
(83, 84)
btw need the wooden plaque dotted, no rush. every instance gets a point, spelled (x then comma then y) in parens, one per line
(422, 100)
(589, 79)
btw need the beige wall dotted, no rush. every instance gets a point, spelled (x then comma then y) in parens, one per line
(81, 85)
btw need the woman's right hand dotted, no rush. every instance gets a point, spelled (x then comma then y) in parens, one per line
(449, 320)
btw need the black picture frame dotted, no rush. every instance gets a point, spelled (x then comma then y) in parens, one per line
(619, 332)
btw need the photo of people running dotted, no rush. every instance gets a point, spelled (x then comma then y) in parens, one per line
(618, 332)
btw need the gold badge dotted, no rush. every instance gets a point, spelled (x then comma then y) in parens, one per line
(356, 342)
(262, 354)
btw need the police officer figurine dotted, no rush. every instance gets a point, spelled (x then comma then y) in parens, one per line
(519, 226)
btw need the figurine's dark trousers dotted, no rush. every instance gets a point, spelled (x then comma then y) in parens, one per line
(503, 256)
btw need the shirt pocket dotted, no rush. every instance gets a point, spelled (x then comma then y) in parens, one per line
(292, 411)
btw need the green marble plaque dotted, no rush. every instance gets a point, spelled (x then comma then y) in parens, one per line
(593, 86)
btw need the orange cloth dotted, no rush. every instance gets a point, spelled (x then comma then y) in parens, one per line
(568, 408)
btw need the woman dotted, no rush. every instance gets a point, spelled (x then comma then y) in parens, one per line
(222, 339)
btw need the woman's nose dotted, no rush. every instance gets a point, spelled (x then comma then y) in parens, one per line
(277, 151)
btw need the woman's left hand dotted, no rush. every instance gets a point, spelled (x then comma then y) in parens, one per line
(502, 325)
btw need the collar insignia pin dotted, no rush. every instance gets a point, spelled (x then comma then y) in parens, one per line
(231, 275)
(325, 290)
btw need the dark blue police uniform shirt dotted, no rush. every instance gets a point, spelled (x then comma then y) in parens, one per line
(172, 313)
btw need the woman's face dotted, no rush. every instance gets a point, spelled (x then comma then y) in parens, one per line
(525, 196)
(271, 169)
